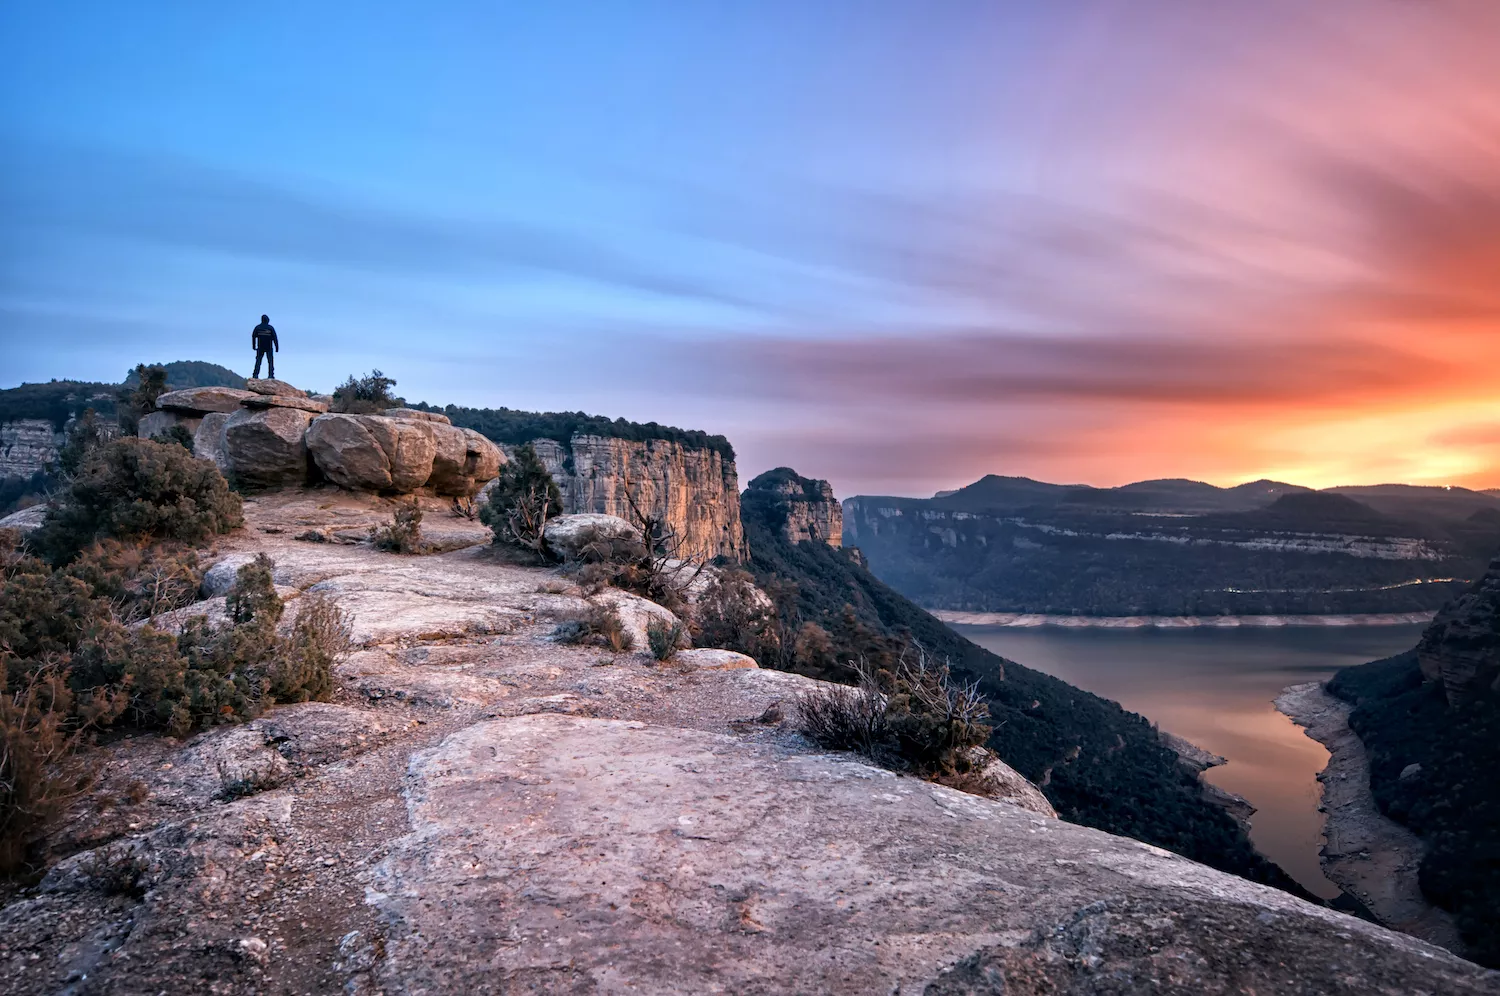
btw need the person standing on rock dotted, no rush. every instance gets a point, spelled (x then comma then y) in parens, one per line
(263, 338)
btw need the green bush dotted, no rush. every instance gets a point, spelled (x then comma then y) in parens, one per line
(523, 499)
(404, 534)
(137, 489)
(601, 624)
(178, 434)
(664, 638)
(139, 399)
(71, 665)
(367, 395)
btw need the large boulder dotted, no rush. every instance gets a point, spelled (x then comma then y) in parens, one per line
(348, 453)
(271, 386)
(372, 452)
(204, 399)
(26, 519)
(265, 449)
(302, 402)
(462, 461)
(208, 440)
(574, 537)
(409, 447)
(155, 423)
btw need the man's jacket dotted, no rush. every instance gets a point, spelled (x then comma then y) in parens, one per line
(264, 337)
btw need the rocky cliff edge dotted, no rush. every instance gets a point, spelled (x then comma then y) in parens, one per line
(483, 810)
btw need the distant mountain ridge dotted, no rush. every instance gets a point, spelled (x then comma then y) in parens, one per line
(1176, 547)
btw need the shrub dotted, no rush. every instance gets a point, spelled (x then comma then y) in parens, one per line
(910, 717)
(39, 766)
(733, 614)
(150, 383)
(139, 580)
(321, 635)
(600, 624)
(365, 395)
(139, 489)
(404, 534)
(87, 433)
(664, 638)
(523, 499)
(177, 434)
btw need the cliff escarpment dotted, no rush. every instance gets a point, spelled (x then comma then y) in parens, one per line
(803, 508)
(602, 465)
(1097, 552)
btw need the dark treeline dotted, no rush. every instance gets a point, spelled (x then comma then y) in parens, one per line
(511, 427)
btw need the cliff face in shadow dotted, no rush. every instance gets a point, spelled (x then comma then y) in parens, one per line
(1461, 649)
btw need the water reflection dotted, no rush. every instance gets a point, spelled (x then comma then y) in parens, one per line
(1215, 687)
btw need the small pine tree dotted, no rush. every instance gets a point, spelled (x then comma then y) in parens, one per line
(524, 498)
(137, 402)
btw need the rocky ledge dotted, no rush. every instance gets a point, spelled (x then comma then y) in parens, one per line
(481, 809)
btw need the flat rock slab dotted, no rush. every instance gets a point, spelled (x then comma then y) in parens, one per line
(559, 854)
(204, 399)
(268, 385)
(285, 401)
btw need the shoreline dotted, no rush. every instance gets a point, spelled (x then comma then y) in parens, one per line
(1032, 620)
(1365, 853)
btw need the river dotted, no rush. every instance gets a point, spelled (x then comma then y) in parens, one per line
(1215, 688)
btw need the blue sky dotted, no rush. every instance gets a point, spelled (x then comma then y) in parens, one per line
(898, 245)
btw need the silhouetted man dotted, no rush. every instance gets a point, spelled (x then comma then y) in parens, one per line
(263, 338)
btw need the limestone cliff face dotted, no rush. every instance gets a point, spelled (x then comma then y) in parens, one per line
(1461, 648)
(698, 488)
(810, 509)
(27, 446)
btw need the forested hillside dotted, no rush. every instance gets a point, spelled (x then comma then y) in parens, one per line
(1176, 548)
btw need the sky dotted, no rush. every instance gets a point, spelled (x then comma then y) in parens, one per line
(897, 245)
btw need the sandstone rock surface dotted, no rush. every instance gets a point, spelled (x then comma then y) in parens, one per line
(567, 536)
(302, 403)
(484, 810)
(715, 660)
(697, 489)
(417, 414)
(462, 460)
(209, 442)
(265, 449)
(348, 453)
(267, 385)
(27, 446)
(623, 855)
(26, 519)
(204, 399)
(809, 509)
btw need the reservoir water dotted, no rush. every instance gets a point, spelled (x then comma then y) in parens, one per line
(1215, 688)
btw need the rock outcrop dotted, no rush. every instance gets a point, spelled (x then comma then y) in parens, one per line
(27, 446)
(270, 386)
(807, 506)
(265, 448)
(1461, 649)
(570, 536)
(698, 489)
(486, 810)
(389, 453)
(202, 400)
